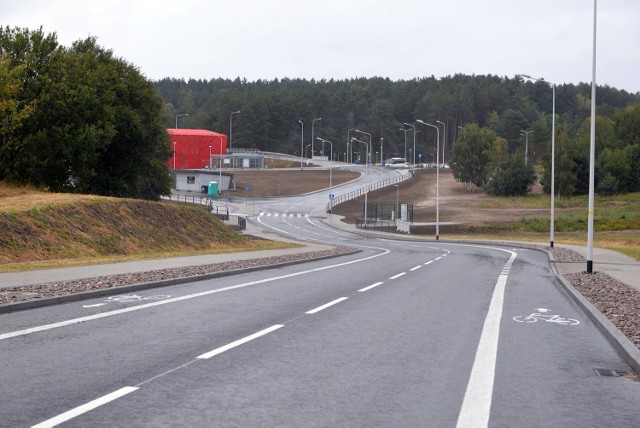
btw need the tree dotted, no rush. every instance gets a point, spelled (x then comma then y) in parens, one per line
(471, 157)
(512, 178)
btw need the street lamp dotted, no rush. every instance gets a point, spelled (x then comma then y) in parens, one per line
(313, 122)
(592, 148)
(368, 159)
(553, 156)
(437, 176)
(210, 159)
(367, 192)
(301, 143)
(330, 170)
(231, 128)
(306, 151)
(444, 139)
(526, 144)
(414, 141)
(348, 141)
(179, 115)
(405, 140)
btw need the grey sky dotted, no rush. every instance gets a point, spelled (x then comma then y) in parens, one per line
(399, 39)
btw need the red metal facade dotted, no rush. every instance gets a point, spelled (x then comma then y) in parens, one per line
(192, 147)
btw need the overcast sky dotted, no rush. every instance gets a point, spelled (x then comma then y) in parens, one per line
(340, 39)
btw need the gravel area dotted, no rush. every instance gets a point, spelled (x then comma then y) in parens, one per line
(617, 301)
(63, 288)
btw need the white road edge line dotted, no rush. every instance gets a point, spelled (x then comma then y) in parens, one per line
(398, 275)
(63, 417)
(476, 406)
(178, 299)
(371, 286)
(320, 308)
(239, 342)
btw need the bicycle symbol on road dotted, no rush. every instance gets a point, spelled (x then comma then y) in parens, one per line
(542, 314)
(128, 298)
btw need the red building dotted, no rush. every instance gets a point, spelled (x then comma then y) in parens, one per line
(195, 148)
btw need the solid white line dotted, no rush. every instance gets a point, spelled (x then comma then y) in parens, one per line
(239, 342)
(415, 268)
(85, 407)
(398, 275)
(476, 406)
(177, 299)
(371, 286)
(319, 308)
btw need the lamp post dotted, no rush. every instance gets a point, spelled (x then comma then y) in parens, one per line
(444, 138)
(306, 150)
(526, 144)
(405, 140)
(553, 156)
(330, 170)
(368, 159)
(348, 142)
(313, 122)
(367, 192)
(437, 176)
(592, 147)
(179, 115)
(301, 143)
(220, 166)
(414, 140)
(210, 159)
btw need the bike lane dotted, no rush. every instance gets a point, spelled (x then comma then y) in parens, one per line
(549, 355)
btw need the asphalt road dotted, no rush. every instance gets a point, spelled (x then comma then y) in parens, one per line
(400, 334)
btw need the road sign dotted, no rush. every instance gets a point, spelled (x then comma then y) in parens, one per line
(331, 196)
(246, 187)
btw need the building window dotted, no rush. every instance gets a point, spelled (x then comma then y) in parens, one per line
(191, 179)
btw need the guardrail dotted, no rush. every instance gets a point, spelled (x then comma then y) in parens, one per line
(369, 188)
(219, 211)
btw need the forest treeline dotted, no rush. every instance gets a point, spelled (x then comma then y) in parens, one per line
(271, 111)
(79, 119)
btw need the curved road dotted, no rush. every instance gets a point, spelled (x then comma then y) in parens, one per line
(403, 333)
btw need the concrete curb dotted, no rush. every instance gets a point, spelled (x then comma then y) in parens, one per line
(85, 295)
(621, 343)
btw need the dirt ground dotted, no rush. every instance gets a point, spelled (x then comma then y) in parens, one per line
(287, 182)
(458, 204)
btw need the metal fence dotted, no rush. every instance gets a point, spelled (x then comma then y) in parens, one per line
(219, 211)
(369, 188)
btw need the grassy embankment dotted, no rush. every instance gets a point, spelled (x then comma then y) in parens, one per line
(44, 230)
(616, 222)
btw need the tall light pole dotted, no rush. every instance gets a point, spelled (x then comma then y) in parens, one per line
(370, 148)
(437, 176)
(301, 143)
(444, 137)
(553, 155)
(180, 115)
(210, 159)
(306, 150)
(414, 141)
(348, 142)
(231, 128)
(313, 122)
(330, 170)
(526, 144)
(405, 141)
(381, 156)
(592, 147)
(367, 192)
